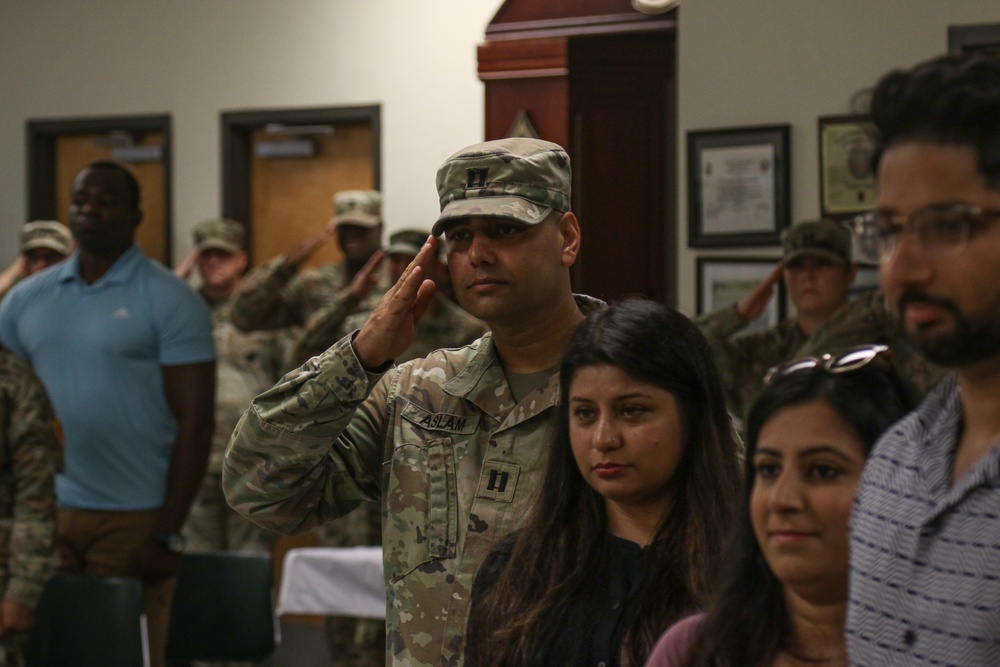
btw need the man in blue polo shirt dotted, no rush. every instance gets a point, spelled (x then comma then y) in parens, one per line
(125, 350)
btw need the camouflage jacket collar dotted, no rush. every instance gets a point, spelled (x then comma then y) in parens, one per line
(484, 383)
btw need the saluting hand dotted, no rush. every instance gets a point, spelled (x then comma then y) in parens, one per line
(305, 248)
(366, 277)
(755, 301)
(12, 273)
(392, 326)
(184, 269)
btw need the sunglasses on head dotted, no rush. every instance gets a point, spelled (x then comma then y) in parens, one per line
(845, 362)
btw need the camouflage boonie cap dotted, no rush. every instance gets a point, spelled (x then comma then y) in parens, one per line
(406, 242)
(822, 238)
(47, 234)
(517, 178)
(358, 207)
(226, 235)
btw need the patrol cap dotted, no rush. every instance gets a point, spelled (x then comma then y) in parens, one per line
(358, 207)
(406, 242)
(517, 178)
(222, 234)
(46, 234)
(822, 238)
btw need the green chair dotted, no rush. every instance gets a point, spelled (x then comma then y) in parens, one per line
(85, 621)
(223, 609)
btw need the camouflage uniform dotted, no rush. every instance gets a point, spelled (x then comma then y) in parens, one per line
(247, 364)
(444, 325)
(275, 296)
(50, 234)
(743, 360)
(439, 441)
(868, 320)
(30, 456)
(361, 642)
(329, 322)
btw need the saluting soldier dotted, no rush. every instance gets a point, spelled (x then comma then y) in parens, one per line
(452, 445)
(30, 457)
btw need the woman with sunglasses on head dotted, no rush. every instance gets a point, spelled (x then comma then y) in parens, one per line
(639, 490)
(784, 598)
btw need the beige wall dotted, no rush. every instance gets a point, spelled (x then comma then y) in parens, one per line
(195, 58)
(740, 63)
(791, 61)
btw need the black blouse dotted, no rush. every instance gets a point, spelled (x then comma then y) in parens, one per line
(588, 630)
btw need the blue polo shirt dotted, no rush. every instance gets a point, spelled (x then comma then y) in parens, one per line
(99, 350)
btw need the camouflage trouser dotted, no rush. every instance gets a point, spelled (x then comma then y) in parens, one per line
(355, 642)
(212, 525)
(11, 650)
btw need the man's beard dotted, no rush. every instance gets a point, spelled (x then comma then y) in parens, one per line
(973, 339)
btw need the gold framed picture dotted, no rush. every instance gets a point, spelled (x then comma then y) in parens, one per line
(846, 172)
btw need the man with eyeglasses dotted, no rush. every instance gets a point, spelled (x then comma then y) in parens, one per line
(925, 534)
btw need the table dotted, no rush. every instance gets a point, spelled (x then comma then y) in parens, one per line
(333, 582)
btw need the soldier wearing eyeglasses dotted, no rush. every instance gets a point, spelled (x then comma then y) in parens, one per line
(925, 538)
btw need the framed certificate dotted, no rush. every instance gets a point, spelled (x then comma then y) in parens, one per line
(846, 173)
(725, 280)
(738, 186)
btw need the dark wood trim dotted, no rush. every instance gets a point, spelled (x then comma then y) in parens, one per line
(965, 38)
(557, 62)
(237, 126)
(41, 137)
(523, 58)
(590, 25)
(521, 19)
(524, 74)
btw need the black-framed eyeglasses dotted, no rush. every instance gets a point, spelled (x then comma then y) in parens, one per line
(845, 362)
(939, 229)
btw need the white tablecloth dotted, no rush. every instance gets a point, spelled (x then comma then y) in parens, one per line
(333, 582)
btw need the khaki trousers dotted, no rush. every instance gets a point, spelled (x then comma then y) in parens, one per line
(106, 544)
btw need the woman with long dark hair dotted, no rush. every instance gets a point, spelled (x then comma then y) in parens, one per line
(784, 599)
(638, 494)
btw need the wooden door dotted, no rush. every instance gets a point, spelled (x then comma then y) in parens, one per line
(283, 200)
(291, 198)
(622, 144)
(74, 152)
(59, 149)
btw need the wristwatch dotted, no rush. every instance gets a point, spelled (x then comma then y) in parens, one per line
(174, 542)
